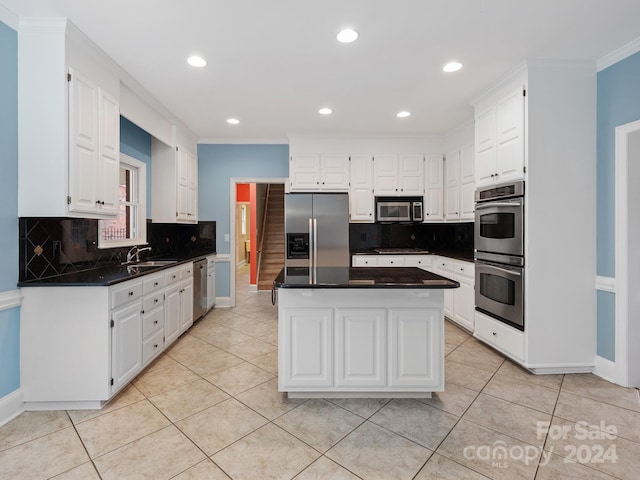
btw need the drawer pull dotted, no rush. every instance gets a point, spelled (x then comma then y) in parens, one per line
(155, 345)
(142, 312)
(155, 284)
(155, 301)
(155, 322)
(131, 294)
(494, 333)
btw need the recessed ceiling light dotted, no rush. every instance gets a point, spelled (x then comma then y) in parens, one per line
(452, 67)
(347, 35)
(196, 61)
(403, 114)
(233, 121)
(325, 111)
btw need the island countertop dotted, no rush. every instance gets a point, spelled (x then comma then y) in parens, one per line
(353, 277)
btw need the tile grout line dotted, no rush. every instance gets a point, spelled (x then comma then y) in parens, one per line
(95, 467)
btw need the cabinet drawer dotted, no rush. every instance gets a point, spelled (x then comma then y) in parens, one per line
(211, 262)
(446, 265)
(149, 302)
(172, 276)
(390, 261)
(123, 294)
(365, 261)
(152, 347)
(153, 283)
(466, 269)
(152, 321)
(420, 261)
(499, 335)
(187, 272)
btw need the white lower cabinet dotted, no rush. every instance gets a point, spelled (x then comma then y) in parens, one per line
(500, 336)
(360, 348)
(459, 303)
(96, 339)
(385, 348)
(308, 360)
(126, 344)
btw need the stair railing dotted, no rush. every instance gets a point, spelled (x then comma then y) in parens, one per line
(262, 230)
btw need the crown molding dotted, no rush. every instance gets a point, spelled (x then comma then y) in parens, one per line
(9, 18)
(619, 54)
(244, 141)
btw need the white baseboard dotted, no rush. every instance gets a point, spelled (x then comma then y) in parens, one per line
(11, 406)
(253, 287)
(223, 302)
(605, 369)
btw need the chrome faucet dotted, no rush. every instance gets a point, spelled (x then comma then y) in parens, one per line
(135, 253)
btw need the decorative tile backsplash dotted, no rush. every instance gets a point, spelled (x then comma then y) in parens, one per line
(54, 246)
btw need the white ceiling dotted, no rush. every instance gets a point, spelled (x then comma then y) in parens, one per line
(274, 63)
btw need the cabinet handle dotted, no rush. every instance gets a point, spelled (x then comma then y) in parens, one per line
(131, 294)
(155, 345)
(155, 301)
(155, 284)
(462, 269)
(391, 261)
(142, 312)
(494, 333)
(155, 322)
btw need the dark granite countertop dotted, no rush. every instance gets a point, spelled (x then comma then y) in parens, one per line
(455, 254)
(107, 275)
(371, 277)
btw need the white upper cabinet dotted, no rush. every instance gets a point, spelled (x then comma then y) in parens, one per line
(361, 200)
(314, 172)
(433, 203)
(69, 124)
(459, 184)
(467, 183)
(452, 185)
(401, 175)
(94, 128)
(500, 139)
(174, 184)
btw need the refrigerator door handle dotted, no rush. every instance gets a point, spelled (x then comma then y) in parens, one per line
(311, 246)
(315, 247)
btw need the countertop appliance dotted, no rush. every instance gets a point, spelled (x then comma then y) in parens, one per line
(399, 209)
(200, 303)
(316, 230)
(499, 253)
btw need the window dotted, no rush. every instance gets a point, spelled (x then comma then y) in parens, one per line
(130, 227)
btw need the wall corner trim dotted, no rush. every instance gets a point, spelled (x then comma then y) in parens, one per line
(11, 406)
(604, 368)
(10, 299)
(606, 284)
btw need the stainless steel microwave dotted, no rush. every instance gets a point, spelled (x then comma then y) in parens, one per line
(399, 209)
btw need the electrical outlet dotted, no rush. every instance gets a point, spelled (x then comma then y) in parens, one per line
(226, 237)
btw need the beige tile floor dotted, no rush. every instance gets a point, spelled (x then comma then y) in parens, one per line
(209, 409)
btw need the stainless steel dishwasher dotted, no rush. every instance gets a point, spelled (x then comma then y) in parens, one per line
(199, 288)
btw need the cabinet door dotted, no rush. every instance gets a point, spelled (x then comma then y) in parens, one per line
(83, 144)
(434, 188)
(415, 348)
(186, 305)
(467, 201)
(452, 185)
(306, 355)
(304, 173)
(182, 184)
(385, 175)
(510, 136)
(360, 347)
(107, 180)
(126, 344)
(334, 173)
(211, 287)
(485, 132)
(464, 302)
(411, 175)
(361, 199)
(172, 310)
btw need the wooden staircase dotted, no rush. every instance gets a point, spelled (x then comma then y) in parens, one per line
(272, 255)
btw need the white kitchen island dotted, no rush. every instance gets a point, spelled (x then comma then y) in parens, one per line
(354, 332)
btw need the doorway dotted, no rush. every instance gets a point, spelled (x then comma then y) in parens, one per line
(243, 254)
(627, 255)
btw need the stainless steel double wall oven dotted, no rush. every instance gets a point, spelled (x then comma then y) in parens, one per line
(499, 252)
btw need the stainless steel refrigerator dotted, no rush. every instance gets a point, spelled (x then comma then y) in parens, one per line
(316, 230)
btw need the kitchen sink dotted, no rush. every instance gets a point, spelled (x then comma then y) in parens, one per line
(155, 263)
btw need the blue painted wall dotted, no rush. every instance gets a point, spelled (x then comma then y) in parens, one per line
(618, 103)
(217, 164)
(9, 319)
(136, 143)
